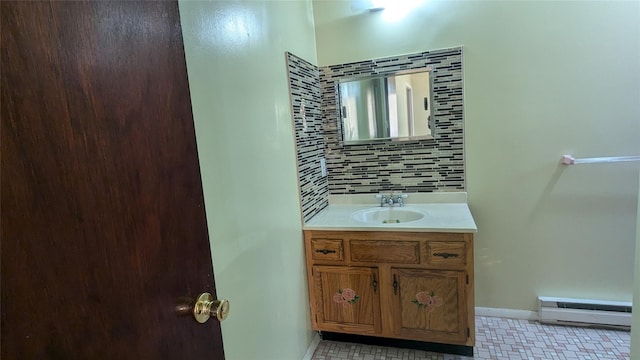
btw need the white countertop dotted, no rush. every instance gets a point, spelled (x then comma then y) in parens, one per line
(444, 212)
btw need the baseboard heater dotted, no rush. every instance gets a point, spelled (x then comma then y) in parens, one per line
(584, 312)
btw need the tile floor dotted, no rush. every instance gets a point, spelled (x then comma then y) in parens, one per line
(498, 339)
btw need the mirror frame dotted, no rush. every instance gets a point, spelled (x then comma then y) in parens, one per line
(384, 75)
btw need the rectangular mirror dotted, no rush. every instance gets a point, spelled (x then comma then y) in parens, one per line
(396, 106)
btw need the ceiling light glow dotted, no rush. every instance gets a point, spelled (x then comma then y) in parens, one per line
(395, 10)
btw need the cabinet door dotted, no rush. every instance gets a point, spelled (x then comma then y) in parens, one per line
(347, 299)
(429, 305)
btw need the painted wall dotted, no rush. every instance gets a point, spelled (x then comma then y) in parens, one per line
(542, 79)
(235, 52)
(635, 325)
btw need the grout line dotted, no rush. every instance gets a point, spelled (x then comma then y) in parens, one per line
(502, 339)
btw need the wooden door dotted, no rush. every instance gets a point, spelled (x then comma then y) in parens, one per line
(103, 221)
(430, 305)
(347, 299)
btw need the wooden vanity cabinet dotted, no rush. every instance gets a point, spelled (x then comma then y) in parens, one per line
(402, 285)
(429, 305)
(347, 299)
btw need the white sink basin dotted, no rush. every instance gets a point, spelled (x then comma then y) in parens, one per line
(387, 215)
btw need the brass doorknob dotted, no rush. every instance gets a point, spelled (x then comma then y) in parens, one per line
(204, 307)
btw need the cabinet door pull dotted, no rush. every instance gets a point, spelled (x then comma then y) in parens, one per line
(445, 255)
(375, 284)
(325, 251)
(395, 285)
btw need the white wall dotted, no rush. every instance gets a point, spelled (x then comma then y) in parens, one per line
(542, 79)
(237, 74)
(635, 325)
(401, 98)
(420, 84)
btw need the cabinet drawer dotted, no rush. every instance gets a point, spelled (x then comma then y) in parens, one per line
(385, 251)
(327, 249)
(446, 253)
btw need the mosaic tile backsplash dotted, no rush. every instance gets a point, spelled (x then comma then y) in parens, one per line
(304, 89)
(410, 166)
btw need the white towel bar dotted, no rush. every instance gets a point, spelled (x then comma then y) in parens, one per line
(570, 160)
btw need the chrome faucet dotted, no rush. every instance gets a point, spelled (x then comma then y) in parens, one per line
(390, 200)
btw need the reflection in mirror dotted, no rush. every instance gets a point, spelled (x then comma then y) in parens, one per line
(394, 106)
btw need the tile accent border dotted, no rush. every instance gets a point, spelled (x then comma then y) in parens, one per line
(410, 166)
(304, 90)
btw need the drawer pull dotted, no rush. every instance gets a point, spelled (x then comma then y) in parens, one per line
(325, 251)
(445, 255)
(375, 284)
(395, 285)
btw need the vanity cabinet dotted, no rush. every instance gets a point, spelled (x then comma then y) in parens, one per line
(347, 299)
(429, 305)
(401, 285)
